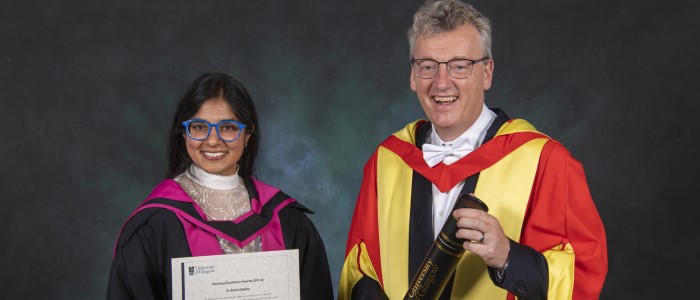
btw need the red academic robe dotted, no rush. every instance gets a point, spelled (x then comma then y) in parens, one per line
(532, 185)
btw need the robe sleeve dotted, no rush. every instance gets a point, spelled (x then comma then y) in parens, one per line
(300, 233)
(563, 224)
(141, 265)
(361, 274)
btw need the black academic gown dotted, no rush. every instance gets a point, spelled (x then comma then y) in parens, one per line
(141, 266)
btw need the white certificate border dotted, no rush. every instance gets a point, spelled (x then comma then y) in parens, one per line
(292, 256)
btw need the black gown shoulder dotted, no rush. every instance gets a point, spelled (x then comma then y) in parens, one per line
(141, 267)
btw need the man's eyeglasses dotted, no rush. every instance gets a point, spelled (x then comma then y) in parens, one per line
(457, 68)
(227, 130)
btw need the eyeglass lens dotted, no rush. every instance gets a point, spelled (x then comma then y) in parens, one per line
(228, 131)
(458, 68)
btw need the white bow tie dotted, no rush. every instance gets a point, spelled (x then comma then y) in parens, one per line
(433, 154)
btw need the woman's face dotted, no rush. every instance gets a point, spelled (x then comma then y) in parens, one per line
(212, 154)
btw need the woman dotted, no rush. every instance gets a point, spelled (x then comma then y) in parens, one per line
(212, 148)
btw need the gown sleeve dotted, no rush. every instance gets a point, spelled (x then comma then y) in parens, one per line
(564, 225)
(300, 233)
(360, 277)
(141, 265)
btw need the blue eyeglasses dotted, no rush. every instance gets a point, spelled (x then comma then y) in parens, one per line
(227, 130)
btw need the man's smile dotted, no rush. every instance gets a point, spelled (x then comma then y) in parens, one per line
(445, 99)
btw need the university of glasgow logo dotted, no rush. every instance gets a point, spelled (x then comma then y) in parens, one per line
(191, 269)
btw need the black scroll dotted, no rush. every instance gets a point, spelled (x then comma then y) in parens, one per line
(443, 257)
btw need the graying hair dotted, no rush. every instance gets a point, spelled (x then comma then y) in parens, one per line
(436, 17)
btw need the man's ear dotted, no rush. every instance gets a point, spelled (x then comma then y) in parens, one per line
(412, 81)
(488, 74)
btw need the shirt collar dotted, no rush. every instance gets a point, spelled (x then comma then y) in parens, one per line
(213, 181)
(474, 135)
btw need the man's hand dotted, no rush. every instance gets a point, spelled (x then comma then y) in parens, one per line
(486, 234)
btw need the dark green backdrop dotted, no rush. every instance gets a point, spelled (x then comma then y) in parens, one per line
(87, 89)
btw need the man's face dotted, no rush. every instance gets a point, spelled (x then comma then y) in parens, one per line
(452, 105)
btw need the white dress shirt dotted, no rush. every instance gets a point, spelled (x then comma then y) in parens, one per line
(470, 139)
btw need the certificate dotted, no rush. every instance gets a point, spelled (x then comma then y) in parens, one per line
(243, 276)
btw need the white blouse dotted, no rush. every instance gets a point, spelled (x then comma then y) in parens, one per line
(221, 198)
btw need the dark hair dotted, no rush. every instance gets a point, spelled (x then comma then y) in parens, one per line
(206, 87)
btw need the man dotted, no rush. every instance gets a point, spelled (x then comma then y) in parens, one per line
(542, 237)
